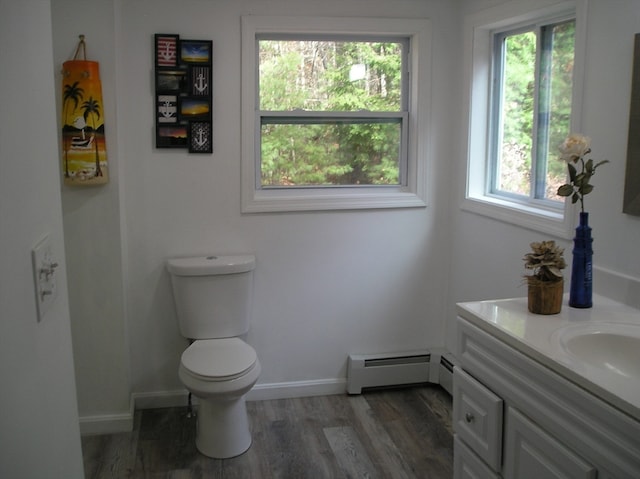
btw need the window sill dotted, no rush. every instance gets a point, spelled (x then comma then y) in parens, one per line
(526, 216)
(266, 201)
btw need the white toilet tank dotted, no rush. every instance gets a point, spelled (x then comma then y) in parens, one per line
(213, 295)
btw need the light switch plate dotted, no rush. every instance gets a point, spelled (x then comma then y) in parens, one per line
(44, 276)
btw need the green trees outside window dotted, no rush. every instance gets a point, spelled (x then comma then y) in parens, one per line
(533, 82)
(332, 113)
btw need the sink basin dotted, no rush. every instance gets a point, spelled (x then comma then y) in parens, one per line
(614, 347)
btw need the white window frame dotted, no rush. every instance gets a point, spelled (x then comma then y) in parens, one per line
(410, 195)
(479, 30)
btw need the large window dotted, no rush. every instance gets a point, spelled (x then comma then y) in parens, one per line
(330, 118)
(525, 78)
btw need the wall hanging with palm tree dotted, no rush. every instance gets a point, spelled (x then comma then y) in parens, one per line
(84, 152)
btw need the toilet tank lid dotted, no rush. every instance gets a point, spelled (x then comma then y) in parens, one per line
(211, 265)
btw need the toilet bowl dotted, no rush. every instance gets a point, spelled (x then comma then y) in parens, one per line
(213, 305)
(219, 372)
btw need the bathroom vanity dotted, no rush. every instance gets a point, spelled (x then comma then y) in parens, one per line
(547, 396)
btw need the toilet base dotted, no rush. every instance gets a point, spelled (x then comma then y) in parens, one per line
(223, 428)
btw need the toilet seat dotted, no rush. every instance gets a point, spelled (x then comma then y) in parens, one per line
(218, 359)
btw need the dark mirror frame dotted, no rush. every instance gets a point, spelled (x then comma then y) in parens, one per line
(631, 203)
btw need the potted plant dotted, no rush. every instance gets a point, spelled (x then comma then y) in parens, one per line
(546, 284)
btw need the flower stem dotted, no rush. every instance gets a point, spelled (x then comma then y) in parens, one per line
(579, 193)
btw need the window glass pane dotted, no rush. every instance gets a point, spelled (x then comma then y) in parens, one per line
(330, 153)
(330, 75)
(561, 70)
(533, 110)
(513, 173)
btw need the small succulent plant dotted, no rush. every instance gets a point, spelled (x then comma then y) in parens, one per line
(546, 260)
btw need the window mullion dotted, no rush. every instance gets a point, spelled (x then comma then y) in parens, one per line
(495, 123)
(305, 115)
(543, 112)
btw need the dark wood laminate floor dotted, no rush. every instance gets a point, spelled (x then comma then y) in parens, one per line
(400, 433)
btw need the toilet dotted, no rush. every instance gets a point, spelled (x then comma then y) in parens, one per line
(213, 296)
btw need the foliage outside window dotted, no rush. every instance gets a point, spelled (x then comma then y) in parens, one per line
(532, 109)
(333, 112)
(330, 112)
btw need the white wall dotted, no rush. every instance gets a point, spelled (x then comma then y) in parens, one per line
(39, 433)
(487, 253)
(92, 229)
(326, 284)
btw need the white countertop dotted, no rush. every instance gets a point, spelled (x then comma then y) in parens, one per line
(539, 337)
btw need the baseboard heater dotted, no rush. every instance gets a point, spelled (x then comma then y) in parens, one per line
(390, 369)
(445, 373)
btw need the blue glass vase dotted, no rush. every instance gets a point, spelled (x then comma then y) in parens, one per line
(580, 295)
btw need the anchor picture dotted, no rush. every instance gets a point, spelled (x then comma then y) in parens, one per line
(183, 93)
(200, 137)
(167, 109)
(166, 50)
(200, 81)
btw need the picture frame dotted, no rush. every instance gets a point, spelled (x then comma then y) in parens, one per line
(200, 133)
(167, 49)
(194, 108)
(199, 80)
(183, 98)
(171, 81)
(167, 109)
(172, 136)
(195, 52)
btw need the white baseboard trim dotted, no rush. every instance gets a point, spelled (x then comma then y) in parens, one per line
(260, 392)
(123, 422)
(108, 423)
(297, 389)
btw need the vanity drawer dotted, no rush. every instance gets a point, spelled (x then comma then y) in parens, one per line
(477, 417)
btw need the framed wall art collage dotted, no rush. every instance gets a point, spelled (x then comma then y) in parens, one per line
(183, 93)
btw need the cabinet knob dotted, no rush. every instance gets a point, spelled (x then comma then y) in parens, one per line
(469, 417)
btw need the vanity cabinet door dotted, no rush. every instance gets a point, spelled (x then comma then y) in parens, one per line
(531, 453)
(466, 465)
(477, 417)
